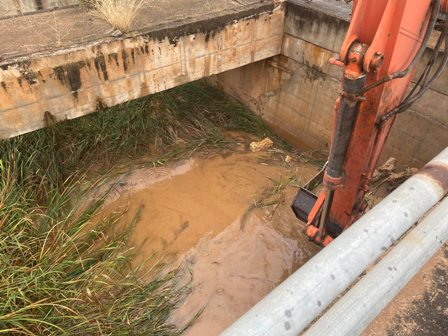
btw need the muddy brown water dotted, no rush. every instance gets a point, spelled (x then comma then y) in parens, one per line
(203, 210)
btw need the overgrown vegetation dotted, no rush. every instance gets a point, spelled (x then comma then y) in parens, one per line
(60, 271)
(59, 277)
(119, 13)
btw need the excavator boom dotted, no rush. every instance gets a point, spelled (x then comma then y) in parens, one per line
(385, 41)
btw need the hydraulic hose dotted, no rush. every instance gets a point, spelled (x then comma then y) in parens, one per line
(403, 73)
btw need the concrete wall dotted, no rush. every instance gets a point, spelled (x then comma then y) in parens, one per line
(19, 7)
(296, 91)
(283, 74)
(73, 82)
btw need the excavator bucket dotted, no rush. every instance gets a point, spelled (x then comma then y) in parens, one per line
(307, 207)
(305, 199)
(303, 204)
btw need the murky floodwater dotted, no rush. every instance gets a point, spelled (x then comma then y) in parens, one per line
(196, 209)
(237, 268)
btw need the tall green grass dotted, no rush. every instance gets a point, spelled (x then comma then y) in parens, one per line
(166, 126)
(61, 271)
(62, 274)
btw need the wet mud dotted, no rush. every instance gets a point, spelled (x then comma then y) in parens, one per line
(227, 219)
(237, 268)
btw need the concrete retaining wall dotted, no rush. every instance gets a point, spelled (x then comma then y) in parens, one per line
(279, 67)
(296, 91)
(73, 82)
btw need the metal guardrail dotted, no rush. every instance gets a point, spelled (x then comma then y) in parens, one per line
(301, 298)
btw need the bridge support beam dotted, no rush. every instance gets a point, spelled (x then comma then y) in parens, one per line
(75, 81)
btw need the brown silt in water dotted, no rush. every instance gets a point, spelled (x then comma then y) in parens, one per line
(207, 211)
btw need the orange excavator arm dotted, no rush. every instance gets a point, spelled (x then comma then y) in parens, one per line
(385, 41)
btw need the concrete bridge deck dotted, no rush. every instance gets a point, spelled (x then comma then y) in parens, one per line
(65, 63)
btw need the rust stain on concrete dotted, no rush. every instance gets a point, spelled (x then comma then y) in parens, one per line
(69, 84)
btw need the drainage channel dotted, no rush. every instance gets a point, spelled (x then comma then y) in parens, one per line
(226, 217)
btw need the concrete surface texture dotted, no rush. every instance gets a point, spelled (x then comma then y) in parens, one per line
(75, 26)
(19, 7)
(90, 68)
(66, 63)
(296, 91)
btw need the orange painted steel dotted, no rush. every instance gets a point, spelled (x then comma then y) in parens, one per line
(444, 6)
(393, 30)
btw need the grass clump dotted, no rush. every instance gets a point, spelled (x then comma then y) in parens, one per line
(170, 125)
(62, 271)
(119, 13)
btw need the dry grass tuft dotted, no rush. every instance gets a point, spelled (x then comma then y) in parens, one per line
(119, 13)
